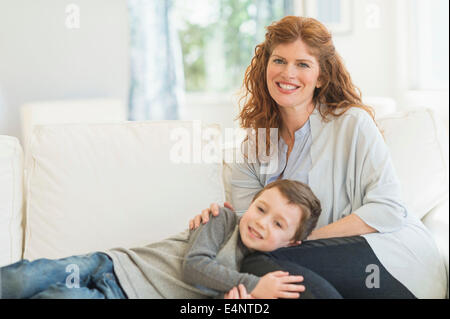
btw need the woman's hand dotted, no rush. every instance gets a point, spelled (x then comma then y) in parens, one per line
(238, 293)
(204, 216)
(278, 284)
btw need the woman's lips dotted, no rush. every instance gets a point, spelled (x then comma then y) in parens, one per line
(286, 88)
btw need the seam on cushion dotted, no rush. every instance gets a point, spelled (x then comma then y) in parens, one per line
(432, 115)
(27, 231)
(11, 165)
(12, 206)
(436, 135)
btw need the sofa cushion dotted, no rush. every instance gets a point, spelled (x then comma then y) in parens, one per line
(98, 186)
(437, 221)
(70, 111)
(11, 199)
(418, 144)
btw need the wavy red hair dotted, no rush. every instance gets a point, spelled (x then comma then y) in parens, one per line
(337, 91)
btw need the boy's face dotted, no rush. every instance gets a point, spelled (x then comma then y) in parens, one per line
(270, 222)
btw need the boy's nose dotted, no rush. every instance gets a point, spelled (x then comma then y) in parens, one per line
(261, 223)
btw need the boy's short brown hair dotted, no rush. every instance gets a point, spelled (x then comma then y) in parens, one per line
(298, 193)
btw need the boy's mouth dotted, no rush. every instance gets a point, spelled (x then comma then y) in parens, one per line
(254, 233)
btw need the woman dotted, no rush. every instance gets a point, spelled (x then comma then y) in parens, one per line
(366, 243)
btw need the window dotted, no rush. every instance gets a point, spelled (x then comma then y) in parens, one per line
(218, 38)
(335, 14)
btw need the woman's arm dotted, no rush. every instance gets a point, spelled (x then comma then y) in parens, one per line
(377, 206)
(245, 184)
(351, 225)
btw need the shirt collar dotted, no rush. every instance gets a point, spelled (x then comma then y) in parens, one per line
(300, 133)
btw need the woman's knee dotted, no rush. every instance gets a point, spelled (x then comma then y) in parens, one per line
(316, 287)
(259, 264)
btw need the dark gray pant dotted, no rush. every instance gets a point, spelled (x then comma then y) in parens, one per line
(344, 267)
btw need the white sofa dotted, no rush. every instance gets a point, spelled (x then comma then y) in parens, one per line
(91, 186)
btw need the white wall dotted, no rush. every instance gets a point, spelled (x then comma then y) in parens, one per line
(383, 61)
(42, 59)
(370, 52)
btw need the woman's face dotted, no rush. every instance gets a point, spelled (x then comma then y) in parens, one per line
(292, 74)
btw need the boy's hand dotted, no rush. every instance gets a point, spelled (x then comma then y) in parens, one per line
(278, 284)
(238, 293)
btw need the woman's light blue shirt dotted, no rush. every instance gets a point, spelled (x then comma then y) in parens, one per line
(299, 162)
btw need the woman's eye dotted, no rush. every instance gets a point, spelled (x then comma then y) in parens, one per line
(303, 65)
(278, 61)
(261, 210)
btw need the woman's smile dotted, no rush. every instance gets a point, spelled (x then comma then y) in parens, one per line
(287, 88)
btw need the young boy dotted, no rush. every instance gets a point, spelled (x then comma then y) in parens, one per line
(201, 263)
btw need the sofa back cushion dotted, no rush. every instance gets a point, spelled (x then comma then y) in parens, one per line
(418, 143)
(70, 111)
(11, 199)
(98, 186)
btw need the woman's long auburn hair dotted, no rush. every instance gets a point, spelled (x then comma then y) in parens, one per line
(337, 92)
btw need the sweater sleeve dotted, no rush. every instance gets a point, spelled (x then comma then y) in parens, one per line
(375, 179)
(200, 266)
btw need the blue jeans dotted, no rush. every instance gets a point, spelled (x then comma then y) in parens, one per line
(89, 276)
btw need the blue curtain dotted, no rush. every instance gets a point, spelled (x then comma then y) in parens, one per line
(157, 79)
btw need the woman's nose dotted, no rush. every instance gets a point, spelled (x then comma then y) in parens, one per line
(290, 72)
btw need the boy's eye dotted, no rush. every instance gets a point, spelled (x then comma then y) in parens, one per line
(278, 224)
(260, 209)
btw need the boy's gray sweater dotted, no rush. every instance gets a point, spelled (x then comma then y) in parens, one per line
(201, 263)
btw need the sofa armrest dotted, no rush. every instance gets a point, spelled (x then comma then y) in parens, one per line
(437, 222)
(11, 200)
